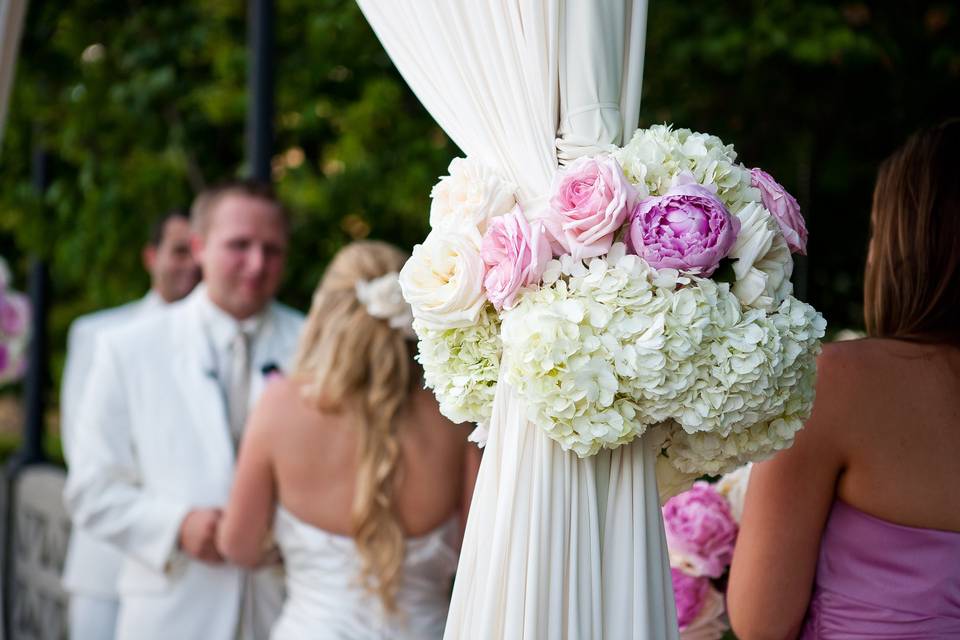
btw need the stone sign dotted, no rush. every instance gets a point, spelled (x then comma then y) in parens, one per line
(40, 528)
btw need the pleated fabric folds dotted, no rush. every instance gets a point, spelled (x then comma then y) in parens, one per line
(556, 546)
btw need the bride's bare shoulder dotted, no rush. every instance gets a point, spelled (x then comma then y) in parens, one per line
(427, 414)
(279, 390)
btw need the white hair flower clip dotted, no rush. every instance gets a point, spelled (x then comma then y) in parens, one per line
(383, 298)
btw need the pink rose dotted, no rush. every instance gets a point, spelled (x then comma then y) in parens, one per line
(784, 208)
(14, 314)
(689, 593)
(590, 202)
(687, 229)
(701, 531)
(516, 252)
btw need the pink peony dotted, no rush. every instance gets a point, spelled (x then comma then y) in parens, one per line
(687, 229)
(516, 252)
(590, 202)
(700, 530)
(784, 207)
(710, 623)
(689, 593)
(14, 314)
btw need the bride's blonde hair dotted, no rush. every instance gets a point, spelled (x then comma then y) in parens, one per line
(354, 362)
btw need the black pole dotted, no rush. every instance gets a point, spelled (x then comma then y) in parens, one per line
(260, 88)
(38, 366)
(38, 372)
(35, 387)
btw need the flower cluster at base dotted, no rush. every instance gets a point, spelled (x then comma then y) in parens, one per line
(651, 292)
(701, 527)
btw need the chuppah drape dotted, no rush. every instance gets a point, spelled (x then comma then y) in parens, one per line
(556, 546)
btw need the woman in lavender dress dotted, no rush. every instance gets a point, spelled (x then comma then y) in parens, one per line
(855, 531)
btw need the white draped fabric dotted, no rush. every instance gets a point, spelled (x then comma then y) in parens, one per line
(556, 546)
(11, 24)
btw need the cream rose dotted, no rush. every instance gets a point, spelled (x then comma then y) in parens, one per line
(469, 197)
(762, 261)
(443, 280)
(733, 487)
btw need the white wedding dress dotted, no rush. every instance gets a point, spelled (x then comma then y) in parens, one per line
(325, 601)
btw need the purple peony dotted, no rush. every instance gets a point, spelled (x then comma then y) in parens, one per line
(784, 207)
(700, 530)
(689, 593)
(687, 229)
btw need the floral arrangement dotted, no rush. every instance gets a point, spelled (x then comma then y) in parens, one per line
(701, 526)
(14, 328)
(651, 290)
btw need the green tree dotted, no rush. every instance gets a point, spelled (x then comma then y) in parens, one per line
(141, 104)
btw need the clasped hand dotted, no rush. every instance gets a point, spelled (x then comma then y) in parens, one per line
(198, 538)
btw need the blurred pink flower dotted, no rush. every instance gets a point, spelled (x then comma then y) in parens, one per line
(14, 313)
(710, 622)
(700, 531)
(688, 592)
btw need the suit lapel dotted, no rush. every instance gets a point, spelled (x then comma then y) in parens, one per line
(197, 379)
(272, 347)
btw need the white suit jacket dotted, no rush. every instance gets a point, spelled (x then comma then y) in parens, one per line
(153, 442)
(91, 567)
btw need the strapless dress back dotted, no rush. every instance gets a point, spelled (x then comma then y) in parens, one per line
(325, 601)
(877, 579)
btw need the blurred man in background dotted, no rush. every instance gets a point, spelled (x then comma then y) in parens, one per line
(91, 567)
(162, 419)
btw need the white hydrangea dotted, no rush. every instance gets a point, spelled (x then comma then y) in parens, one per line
(607, 348)
(656, 155)
(766, 383)
(462, 365)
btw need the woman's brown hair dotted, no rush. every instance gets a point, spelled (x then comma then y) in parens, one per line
(912, 279)
(356, 363)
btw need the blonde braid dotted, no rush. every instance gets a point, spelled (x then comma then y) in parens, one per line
(358, 363)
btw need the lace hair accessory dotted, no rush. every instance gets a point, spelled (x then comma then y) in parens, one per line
(383, 298)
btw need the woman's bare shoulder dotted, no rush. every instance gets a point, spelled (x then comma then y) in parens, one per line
(427, 412)
(281, 403)
(279, 391)
(844, 379)
(844, 367)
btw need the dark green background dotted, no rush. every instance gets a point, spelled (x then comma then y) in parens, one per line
(815, 92)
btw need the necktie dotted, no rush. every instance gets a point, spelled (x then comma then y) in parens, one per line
(238, 388)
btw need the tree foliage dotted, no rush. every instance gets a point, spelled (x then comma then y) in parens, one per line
(141, 104)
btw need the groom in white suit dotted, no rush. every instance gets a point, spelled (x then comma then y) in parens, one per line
(91, 567)
(157, 433)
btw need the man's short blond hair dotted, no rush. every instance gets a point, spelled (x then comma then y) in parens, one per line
(207, 200)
